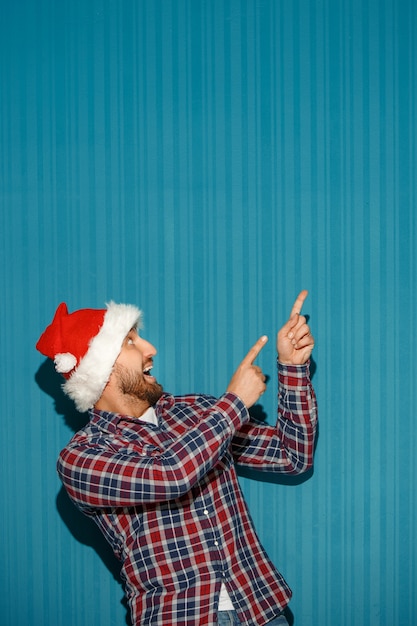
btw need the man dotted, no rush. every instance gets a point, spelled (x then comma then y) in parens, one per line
(157, 472)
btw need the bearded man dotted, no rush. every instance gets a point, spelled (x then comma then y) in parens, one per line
(157, 473)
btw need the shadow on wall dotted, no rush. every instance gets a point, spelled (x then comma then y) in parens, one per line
(87, 533)
(83, 529)
(51, 383)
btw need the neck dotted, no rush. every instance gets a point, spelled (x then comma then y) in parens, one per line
(125, 405)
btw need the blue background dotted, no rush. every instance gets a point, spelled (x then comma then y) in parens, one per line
(206, 160)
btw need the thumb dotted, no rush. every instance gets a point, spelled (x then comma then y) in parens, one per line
(286, 330)
(292, 322)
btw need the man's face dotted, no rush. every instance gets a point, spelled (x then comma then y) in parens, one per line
(132, 370)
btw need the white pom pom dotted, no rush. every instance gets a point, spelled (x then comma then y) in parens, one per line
(64, 362)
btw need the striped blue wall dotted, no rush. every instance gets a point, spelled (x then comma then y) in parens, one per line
(206, 159)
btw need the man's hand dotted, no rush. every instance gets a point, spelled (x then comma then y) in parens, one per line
(294, 341)
(248, 381)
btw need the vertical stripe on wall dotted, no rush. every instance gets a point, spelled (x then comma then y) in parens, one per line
(207, 159)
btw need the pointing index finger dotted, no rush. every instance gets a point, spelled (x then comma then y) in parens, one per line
(298, 304)
(255, 350)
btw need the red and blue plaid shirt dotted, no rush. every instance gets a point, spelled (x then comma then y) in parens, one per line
(167, 498)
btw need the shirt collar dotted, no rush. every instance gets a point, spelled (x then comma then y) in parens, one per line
(109, 421)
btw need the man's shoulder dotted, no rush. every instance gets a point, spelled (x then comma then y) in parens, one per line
(191, 398)
(186, 402)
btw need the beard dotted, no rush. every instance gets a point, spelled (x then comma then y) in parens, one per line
(137, 387)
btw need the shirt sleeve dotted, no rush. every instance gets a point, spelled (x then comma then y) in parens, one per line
(287, 447)
(121, 472)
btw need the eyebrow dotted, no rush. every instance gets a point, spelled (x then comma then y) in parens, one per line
(132, 330)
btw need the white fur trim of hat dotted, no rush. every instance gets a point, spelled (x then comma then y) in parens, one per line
(87, 382)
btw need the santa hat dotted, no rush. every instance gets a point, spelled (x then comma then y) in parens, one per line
(85, 345)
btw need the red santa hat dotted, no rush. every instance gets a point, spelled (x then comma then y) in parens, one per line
(84, 346)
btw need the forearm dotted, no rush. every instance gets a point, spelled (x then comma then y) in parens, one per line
(98, 475)
(288, 446)
(297, 414)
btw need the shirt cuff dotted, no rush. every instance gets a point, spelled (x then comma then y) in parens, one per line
(232, 406)
(294, 376)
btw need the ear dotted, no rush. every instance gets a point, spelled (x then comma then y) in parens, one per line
(108, 399)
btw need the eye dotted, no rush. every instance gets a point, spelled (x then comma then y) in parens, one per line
(131, 337)
(130, 340)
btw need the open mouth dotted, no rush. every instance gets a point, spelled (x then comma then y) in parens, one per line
(147, 372)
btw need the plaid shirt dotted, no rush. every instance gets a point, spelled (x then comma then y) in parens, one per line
(167, 499)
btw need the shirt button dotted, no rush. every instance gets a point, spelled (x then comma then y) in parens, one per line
(205, 512)
(216, 543)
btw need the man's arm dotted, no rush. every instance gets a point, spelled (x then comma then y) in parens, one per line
(289, 446)
(115, 473)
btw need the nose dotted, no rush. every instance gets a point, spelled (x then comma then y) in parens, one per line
(147, 348)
